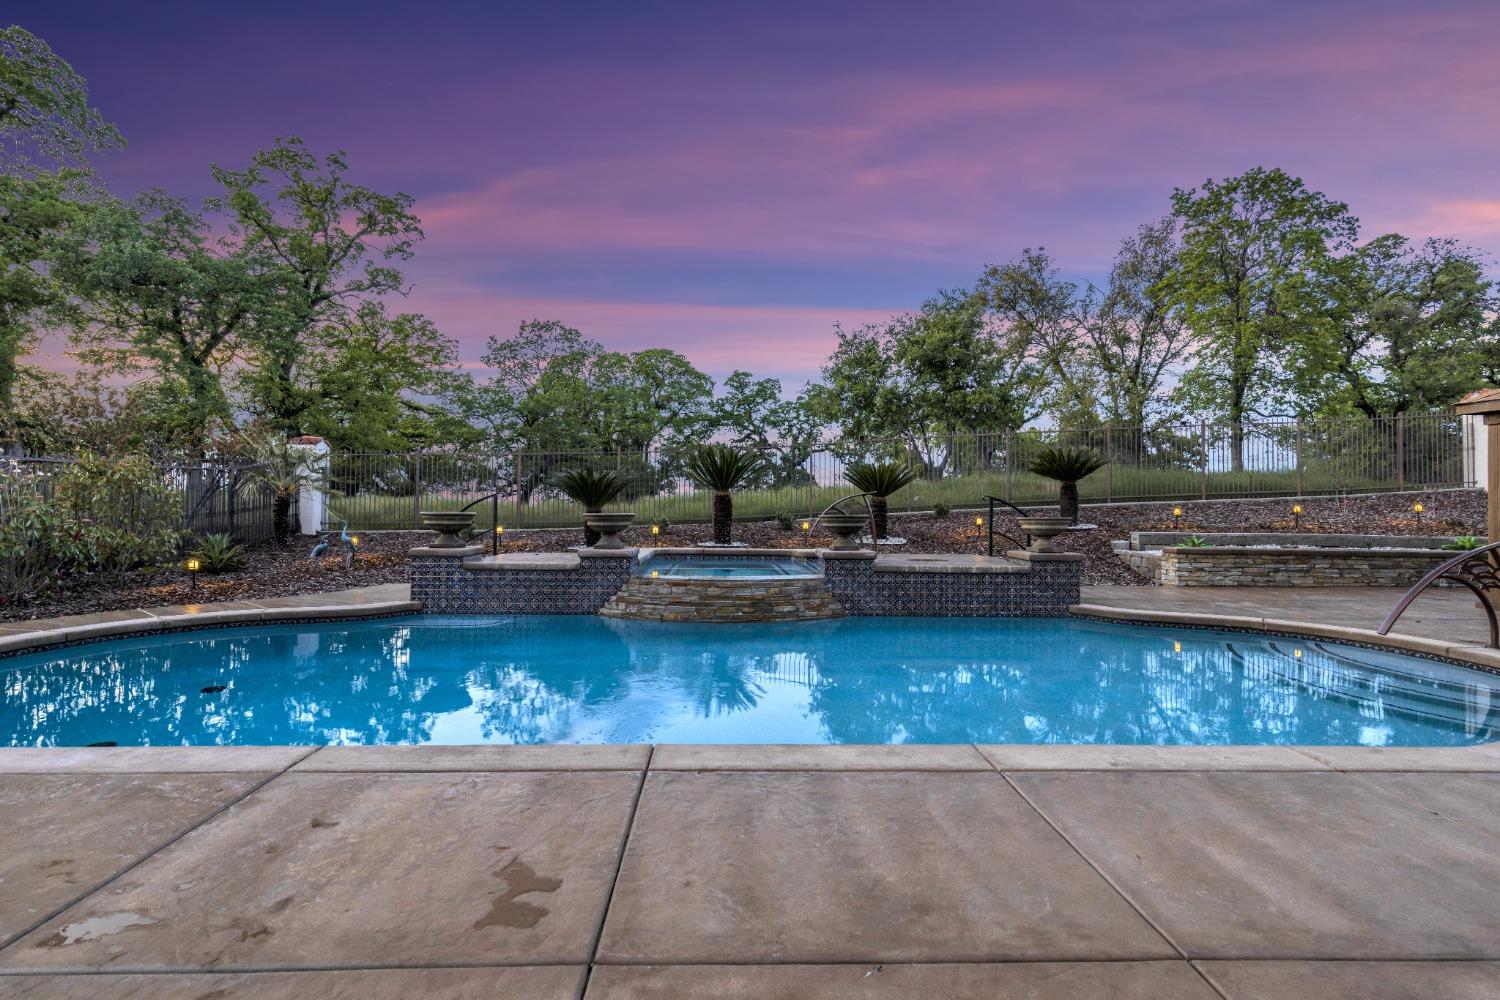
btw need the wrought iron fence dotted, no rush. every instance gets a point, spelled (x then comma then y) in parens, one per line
(214, 496)
(1178, 462)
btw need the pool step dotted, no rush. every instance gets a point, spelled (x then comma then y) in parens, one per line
(723, 599)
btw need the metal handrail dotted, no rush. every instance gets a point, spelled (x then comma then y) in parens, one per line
(1476, 569)
(494, 499)
(1019, 513)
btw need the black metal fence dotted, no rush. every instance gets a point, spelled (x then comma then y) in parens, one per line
(1176, 462)
(213, 496)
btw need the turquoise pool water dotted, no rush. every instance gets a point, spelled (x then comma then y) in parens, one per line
(439, 679)
(678, 567)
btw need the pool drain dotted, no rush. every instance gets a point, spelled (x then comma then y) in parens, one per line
(104, 743)
(212, 689)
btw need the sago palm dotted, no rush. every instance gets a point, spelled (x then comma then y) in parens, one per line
(284, 469)
(1067, 466)
(591, 489)
(723, 469)
(880, 480)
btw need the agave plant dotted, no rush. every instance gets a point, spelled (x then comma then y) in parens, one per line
(723, 469)
(591, 489)
(283, 468)
(880, 480)
(217, 552)
(1067, 466)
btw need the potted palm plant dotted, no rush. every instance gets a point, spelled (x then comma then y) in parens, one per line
(591, 489)
(1067, 466)
(723, 469)
(880, 480)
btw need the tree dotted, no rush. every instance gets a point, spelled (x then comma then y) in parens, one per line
(923, 378)
(1133, 336)
(167, 298)
(44, 108)
(379, 382)
(37, 214)
(1031, 301)
(1257, 256)
(336, 238)
(1409, 332)
(721, 468)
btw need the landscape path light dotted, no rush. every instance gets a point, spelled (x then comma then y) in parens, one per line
(192, 565)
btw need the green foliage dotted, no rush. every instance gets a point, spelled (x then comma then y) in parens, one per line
(1463, 543)
(44, 107)
(590, 488)
(284, 469)
(217, 552)
(879, 479)
(941, 510)
(1254, 275)
(94, 515)
(332, 242)
(1066, 465)
(1194, 542)
(785, 520)
(720, 467)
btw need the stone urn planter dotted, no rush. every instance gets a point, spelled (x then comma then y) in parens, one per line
(844, 528)
(609, 524)
(452, 527)
(1042, 530)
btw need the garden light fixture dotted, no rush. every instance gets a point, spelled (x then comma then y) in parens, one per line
(192, 566)
(1417, 509)
(1176, 517)
(1296, 515)
(655, 530)
(495, 541)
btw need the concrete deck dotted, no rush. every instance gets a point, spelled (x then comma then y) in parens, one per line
(749, 872)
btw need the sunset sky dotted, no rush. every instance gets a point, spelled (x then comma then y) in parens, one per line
(730, 180)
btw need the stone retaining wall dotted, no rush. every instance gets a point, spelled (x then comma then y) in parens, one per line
(723, 600)
(1257, 567)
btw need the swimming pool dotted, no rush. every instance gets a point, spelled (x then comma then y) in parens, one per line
(674, 567)
(435, 679)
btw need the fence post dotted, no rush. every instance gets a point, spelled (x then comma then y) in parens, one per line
(812, 483)
(1010, 463)
(1109, 469)
(1298, 453)
(416, 489)
(520, 507)
(1203, 462)
(1401, 451)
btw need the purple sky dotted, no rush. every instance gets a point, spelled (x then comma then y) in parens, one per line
(731, 179)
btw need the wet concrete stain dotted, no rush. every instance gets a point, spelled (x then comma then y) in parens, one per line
(507, 910)
(319, 823)
(94, 928)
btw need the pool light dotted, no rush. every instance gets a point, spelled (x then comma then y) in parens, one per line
(1176, 647)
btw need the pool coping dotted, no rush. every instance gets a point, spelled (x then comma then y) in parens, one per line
(353, 605)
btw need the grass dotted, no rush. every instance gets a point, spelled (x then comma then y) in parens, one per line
(1120, 484)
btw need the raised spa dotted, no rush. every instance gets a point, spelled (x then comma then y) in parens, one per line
(585, 679)
(677, 567)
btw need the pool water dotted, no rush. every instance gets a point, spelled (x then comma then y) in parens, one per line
(679, 567)
(434, 679)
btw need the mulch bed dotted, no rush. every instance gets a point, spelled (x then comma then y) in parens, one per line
(279, 572)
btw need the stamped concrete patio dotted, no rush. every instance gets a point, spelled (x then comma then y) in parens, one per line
(633, 872)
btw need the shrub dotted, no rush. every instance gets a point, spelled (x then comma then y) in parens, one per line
(1067, 466)
(94, 515)
(1463, 543)
(1194, 542)
(785, 521)
(284, 469)
(217, 553)
(723, 469)
(880, 480)
(591, 489)
(941, 509)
